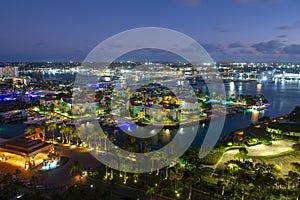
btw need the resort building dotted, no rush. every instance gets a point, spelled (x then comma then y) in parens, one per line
(9, 72)
(26, 149)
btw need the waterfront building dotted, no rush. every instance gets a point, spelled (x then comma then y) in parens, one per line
(9, 72)
(26, 148)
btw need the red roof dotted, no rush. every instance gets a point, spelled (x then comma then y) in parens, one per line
(50, 99)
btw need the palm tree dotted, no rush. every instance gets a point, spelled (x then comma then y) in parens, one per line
(70, 134)
(193, 177)
(224, 180)
(9, 187)
(65, 132)
(190, 181)
(88, 138)
(75, 168)
(178, 175)
(52, 127)
(76, 135)
(171, 177)
(96, 136)
(151, 190)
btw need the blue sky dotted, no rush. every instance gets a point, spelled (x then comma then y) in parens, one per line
(230, 30)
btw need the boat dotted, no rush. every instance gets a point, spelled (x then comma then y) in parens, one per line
(32, 121)
(260, 107)
(35, 120)
(14, 115)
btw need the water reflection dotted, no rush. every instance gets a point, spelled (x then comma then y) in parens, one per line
(166, 136)
(231, 88)
(254, 117)
(258, 88)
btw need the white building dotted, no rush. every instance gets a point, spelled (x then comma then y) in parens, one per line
(9, 72)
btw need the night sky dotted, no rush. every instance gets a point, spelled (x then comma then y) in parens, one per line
(230, 30)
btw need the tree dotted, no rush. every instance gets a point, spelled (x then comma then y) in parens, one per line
(193, 177)
(52, 127)
(9, 187)
(76, 135)
(151, 190)
(243, 152)
(30, 130)
(176, 174)
(75, 169)
(70, 134)
(62, 132)
(65, 133)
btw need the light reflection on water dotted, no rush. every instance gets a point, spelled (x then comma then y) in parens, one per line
(258, 88)
(282, 95)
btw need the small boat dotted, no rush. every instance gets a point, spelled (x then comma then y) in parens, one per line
(35, 120)
(260, 107)
(32, 121)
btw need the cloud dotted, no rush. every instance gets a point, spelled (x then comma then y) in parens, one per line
(293, 49)
(213, 48)
(245, 51)
(284, 27)
(193, 47)
(220, 30)
(235, 45)
(281, 36)
(295, 25)
(39, 44)
(270, 47)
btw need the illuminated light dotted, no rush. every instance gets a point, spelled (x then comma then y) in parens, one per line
(156, 184)
(231, 86)
(50, 165)
(258, 87)
(264, 78)
(178, 195)
(153, 131)
(92, 186)
(239, 132)
(107, 78)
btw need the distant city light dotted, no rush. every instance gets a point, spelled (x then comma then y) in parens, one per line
(264, 78)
